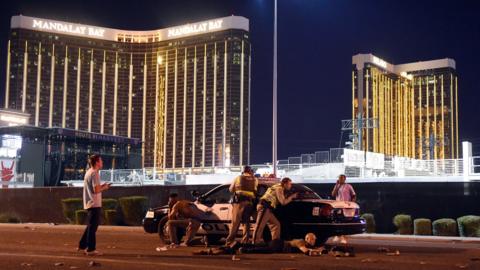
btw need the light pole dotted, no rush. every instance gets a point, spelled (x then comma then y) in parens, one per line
(274, 133)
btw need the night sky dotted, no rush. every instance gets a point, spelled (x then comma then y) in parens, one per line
(317, 39)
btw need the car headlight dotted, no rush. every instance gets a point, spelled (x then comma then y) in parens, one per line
(150, 214)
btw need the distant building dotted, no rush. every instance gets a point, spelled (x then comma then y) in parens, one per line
(415, 106)
(183, 91)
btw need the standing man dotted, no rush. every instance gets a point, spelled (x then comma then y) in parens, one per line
(244, 188)
(273, 196)
(92, 202)
(343, 191)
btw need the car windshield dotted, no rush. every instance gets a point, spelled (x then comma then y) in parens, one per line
(303, 192)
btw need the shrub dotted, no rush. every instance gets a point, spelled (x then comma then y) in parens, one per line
(109, 204)
(403, 223)
(111, 217)
(133, 209)
(9, 218)
(81, 217)
(70, 206)
(444, 227)
(422, 226)
(469, 226)
(370, 220)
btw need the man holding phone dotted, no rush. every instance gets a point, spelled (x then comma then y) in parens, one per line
(343, 191)
(92, 202)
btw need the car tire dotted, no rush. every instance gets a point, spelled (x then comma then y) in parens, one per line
(162, 232)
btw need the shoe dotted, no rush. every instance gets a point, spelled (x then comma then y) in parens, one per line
(93, 253)
(184, 244)
(81, 249)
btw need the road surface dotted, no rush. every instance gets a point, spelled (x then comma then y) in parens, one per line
(44, 246)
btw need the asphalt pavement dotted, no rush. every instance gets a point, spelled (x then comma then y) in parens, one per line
(48, 246)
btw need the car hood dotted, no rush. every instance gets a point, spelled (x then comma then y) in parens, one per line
(333, 203)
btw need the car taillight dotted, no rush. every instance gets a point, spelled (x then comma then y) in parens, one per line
(326, 211)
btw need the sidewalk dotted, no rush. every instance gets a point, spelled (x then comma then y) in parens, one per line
(414, 241)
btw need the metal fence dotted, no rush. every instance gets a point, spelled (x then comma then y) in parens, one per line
(317, 166)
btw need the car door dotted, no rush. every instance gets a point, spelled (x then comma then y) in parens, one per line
(218, 203)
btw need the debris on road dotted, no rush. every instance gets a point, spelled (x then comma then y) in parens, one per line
(396, 253)
(59, 264)
(94, 264)
(74, 267)
(235, 258)
(368, 260)
(461, 266)
(27, 264)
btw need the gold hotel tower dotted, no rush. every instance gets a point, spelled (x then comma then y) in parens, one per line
(414, 106)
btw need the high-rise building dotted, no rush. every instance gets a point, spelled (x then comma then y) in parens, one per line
(408, 110)
(184, 90)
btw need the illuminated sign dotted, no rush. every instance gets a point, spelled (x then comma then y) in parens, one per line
(13, 120)
(195, 28)
(379, 62)
(68, 28)
(9, 118)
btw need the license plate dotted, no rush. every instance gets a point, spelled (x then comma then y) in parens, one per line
(349, 212)
(316, 211)
(150, 214)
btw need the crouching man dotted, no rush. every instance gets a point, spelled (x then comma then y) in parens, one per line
(183, 214)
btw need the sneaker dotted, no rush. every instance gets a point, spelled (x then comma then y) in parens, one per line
(185, 244)
(93, 253)
(81, 249)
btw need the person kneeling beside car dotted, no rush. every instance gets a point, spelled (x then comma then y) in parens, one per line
(184, 214)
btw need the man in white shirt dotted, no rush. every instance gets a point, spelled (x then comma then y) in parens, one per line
(92, 202)
(343, 191)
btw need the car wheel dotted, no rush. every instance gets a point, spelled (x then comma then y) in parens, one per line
(163, 232)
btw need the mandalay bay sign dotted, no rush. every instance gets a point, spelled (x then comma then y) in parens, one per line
(195, 28)
(68, 28)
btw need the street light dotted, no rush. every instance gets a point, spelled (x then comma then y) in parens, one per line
(274, 132)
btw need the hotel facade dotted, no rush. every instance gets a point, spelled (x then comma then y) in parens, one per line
(184, 91)
(412, 108)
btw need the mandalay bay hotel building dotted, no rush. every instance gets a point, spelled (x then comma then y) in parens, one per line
(184, 91)
(414, 106)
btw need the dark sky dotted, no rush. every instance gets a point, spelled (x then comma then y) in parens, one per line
(317, 39)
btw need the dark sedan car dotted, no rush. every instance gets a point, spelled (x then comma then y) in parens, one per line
(307, 213)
